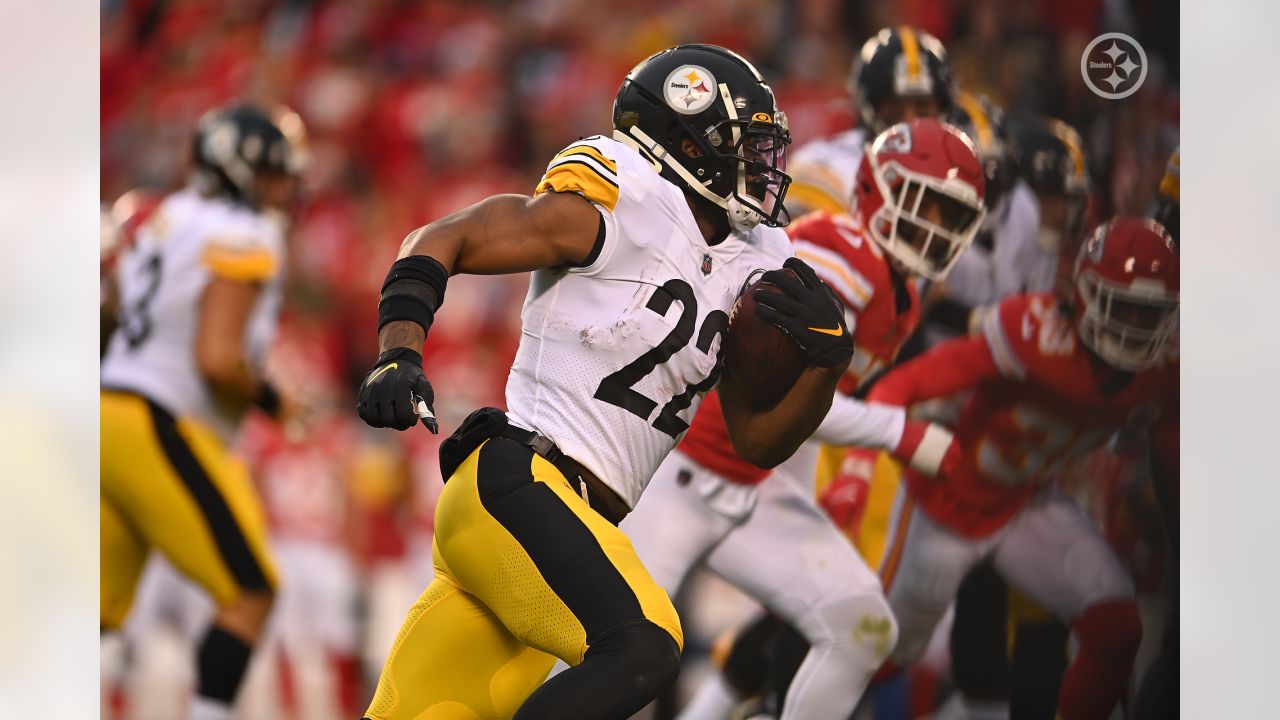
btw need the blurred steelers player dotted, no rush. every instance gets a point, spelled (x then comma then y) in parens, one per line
(199, 294)
(901, 73)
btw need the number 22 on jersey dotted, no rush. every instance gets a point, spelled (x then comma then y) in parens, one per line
(617, 389)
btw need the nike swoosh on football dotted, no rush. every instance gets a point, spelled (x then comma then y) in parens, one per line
(837, 331)
(380, 371)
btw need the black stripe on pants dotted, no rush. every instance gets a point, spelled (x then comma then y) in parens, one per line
(561, 546)
(231, 542)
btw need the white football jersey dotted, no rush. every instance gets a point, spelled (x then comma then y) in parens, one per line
(615, 355)
(187, 242)
(1015, 263)
(823, 172)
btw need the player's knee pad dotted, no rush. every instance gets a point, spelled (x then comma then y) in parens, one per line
(1110, 630)
(645, 653)
(859, 626)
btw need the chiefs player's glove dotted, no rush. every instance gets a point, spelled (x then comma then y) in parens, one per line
(845, 499)
(396, 393)
(808, 312)
(929, 449)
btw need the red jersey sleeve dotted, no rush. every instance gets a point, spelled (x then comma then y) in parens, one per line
(1026, 333)
(948, 368)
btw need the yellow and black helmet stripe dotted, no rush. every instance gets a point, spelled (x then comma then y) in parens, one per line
(910, 50)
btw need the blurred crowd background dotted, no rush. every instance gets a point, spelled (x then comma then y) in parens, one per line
(415, 109)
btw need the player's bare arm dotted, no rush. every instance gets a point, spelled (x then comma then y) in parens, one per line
(225, 309)
(502, 234)
(767, 438)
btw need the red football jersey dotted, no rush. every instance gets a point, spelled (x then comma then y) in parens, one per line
(1039, 399)
(883, 314)
(302, 480)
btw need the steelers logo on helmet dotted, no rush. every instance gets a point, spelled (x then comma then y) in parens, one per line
(690, 89)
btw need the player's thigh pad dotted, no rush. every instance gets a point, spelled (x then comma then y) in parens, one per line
(1054, 554)
(454, 660)
(175, 485)
(923, 567)
(674, 526)
(511, 531)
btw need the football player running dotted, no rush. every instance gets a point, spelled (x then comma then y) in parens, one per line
(200, 291)
(1049, 381)
(900, 74)
(919, 201)
(639, 244)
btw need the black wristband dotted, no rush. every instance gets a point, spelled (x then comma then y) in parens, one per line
(268, 399)
(413, 291)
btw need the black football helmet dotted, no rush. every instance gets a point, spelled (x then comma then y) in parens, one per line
(983, 121)
(232, 145)
(716, 100)
(1049, 156)
(900, 62)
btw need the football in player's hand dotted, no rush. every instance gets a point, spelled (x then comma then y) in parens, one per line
(763, 362)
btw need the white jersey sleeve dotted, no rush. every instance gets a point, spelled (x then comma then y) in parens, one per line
(853, 423)
(1014, 263)
(614, 356)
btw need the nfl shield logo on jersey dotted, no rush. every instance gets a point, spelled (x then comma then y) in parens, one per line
(706, 264)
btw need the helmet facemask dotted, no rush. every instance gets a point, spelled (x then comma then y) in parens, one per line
(1127, 326)
(924, 222)
(748, 160)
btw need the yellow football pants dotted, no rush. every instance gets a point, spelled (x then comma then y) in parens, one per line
(526, 572)
(170, 484)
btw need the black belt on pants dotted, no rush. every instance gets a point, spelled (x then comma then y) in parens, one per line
(572, 471)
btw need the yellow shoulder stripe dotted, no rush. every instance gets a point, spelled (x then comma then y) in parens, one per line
(253, 265)
(814, 198)
(580, 177)
(590, 152)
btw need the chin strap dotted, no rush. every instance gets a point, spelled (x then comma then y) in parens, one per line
(741, 217)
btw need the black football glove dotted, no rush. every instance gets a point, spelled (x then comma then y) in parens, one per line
(394, 392)
(808, 312)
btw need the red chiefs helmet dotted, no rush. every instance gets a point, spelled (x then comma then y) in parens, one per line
(920, 193)
(1126, 292)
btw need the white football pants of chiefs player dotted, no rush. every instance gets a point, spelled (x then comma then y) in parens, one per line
(1050, 551)
(774, 543)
